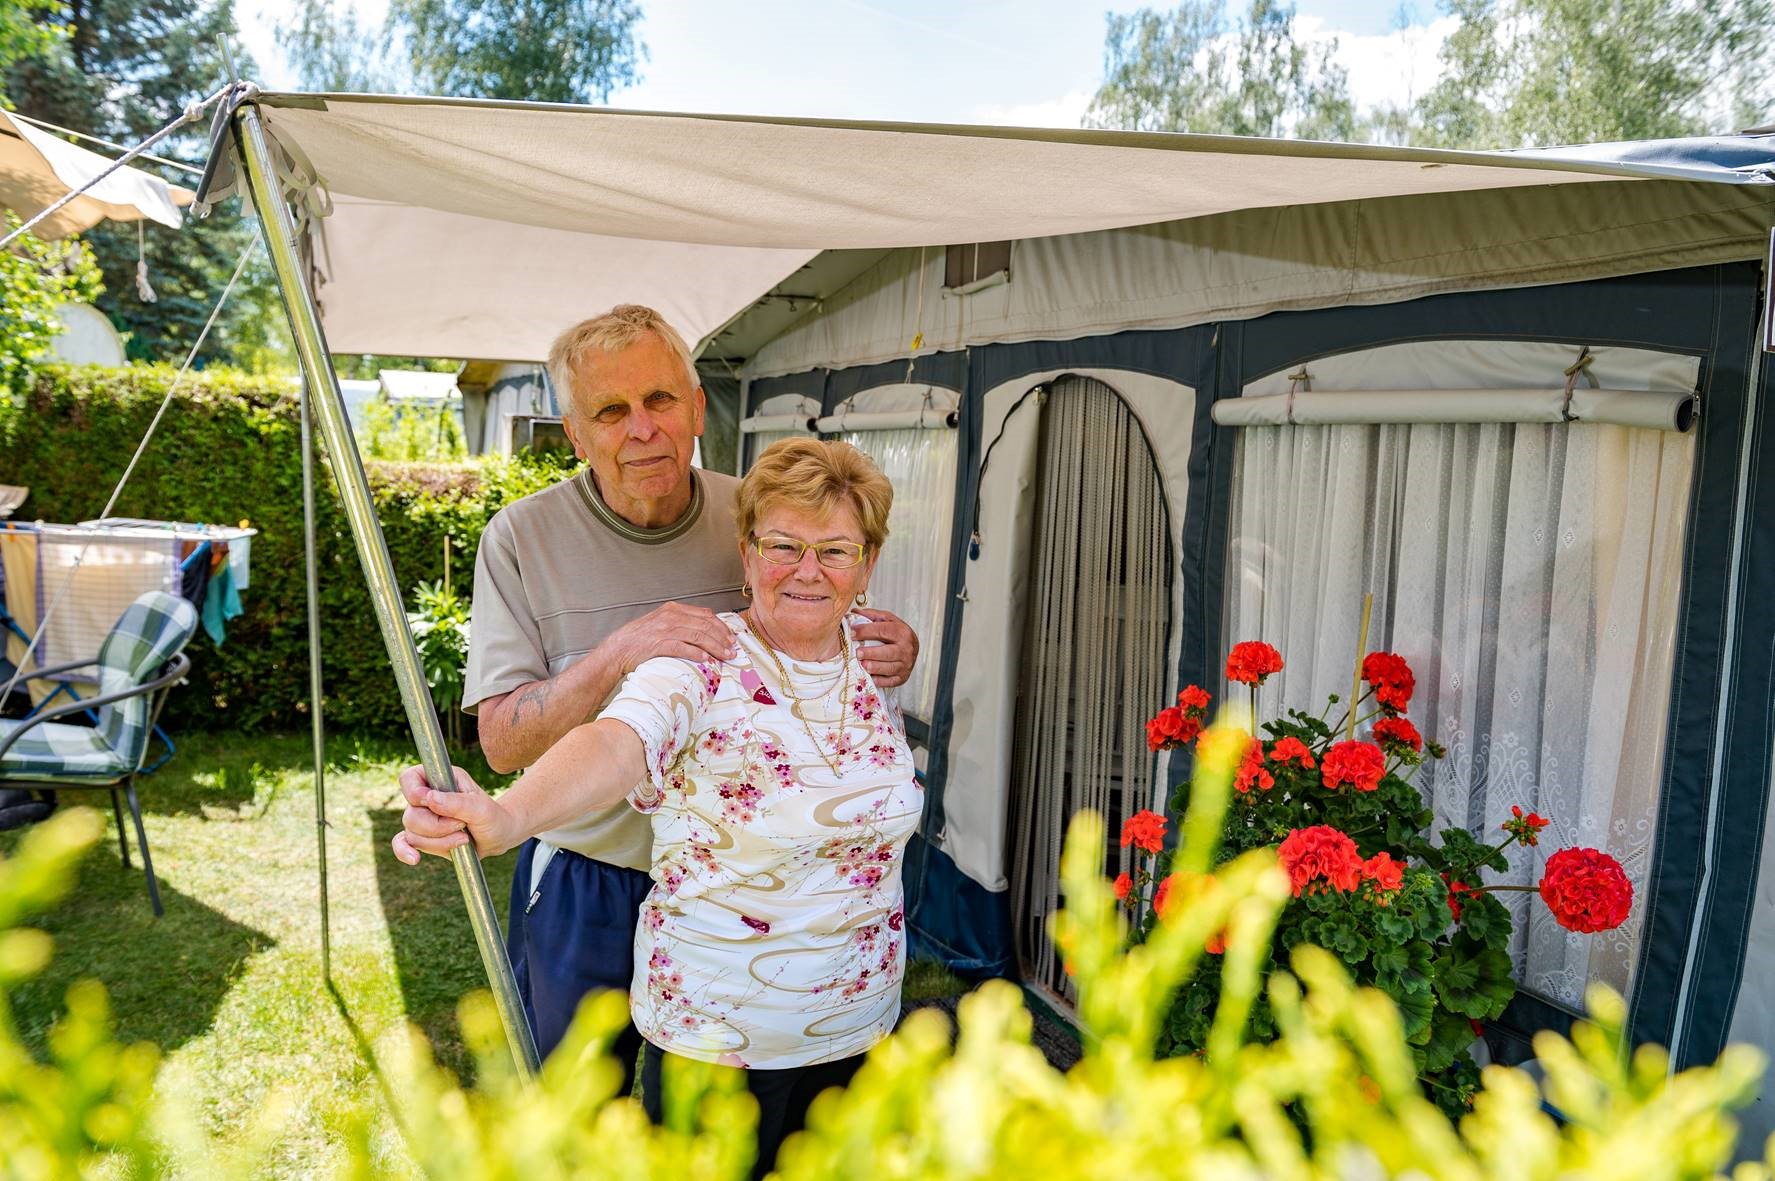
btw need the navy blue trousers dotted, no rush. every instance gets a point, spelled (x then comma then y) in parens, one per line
(574, 934)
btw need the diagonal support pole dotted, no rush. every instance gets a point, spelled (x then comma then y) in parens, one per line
(316, 718)
(279, 228)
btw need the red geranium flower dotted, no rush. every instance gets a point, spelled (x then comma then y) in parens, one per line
(1123, 884)
(1357, 763)
(1194, 700)
(1320, 853)
(1144, 830)
(1162, 896)
(1392, 680)
(1252, 772)
(1398, 731)
(1526, 829)
(1171, 727)
(1384, 872)
(1454, 903)
(1252, 661)
(1287, 750)
(1587, 890)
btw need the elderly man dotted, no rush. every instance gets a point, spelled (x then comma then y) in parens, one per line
(575, 586)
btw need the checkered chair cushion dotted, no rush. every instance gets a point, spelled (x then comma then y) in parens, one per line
(59, 751)
(153, 630)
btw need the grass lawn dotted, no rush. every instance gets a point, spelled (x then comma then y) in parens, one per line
(229, 982)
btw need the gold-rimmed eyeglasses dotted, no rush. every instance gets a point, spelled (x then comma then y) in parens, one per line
(832, 554)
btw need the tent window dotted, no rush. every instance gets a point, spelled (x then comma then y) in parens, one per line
(972, 263)
(1094, 650)
(909, 431)
(1531, 574)
(912, 577)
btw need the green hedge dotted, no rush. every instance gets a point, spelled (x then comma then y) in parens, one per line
(228, 450)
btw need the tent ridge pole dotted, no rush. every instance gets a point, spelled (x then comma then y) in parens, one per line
(279, 228)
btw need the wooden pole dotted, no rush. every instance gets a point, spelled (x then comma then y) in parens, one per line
(1361, 651)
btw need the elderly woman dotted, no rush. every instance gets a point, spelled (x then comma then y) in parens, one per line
(782, 795)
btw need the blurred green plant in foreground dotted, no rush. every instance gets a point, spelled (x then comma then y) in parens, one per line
(1335, 1095)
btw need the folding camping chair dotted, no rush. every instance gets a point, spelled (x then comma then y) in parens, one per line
(139, 662)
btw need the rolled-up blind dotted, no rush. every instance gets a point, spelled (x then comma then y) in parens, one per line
(1659, 410)
(926, 418)
(790, 423)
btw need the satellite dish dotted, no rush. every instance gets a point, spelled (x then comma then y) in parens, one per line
(87, 337)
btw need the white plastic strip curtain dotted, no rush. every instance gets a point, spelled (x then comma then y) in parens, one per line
(1094, 652)
(910, 434)
(781, 417)
(1531, 575)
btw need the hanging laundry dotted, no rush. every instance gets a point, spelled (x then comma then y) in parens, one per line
(18, 555)
(221, 601)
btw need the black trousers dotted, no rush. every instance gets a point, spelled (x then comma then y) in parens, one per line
(783, 1097)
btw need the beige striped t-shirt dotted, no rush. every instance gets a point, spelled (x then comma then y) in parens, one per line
(558, 572)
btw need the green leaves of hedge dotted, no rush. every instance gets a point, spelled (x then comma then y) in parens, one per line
(228, 450)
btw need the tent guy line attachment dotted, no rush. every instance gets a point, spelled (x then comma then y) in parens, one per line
(117, 491)
(191, 115)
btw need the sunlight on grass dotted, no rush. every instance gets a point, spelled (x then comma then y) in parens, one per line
(229, 981)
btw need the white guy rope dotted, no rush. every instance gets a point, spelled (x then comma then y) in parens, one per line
(193, 169)
(246, 256)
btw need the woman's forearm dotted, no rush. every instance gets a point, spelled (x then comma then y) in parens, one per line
(591, 768)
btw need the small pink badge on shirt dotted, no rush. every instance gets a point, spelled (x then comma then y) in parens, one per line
(750, 682)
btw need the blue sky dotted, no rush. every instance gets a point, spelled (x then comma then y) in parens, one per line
(984, 61)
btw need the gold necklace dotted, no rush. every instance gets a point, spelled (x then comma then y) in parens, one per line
(800, 710)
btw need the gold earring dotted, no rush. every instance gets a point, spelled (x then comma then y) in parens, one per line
(746, 590)
(863, 599)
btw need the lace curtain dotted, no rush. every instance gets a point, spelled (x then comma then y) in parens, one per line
(756, 444)
(1530, 573)
(1093, 659)
(912, 577)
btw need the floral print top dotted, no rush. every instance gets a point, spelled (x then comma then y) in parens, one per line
(774, 934)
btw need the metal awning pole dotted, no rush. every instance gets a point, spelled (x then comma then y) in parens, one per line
(279, 227)
(316, 718)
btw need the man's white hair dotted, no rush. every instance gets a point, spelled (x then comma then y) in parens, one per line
(611, 332)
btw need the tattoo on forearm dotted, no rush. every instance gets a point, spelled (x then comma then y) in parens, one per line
(533, 700)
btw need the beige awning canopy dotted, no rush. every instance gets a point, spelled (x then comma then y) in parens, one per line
(37, 169)
(470, 228)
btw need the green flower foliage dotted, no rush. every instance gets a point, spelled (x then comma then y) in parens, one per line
(1445, 973)
(439, 623)
(1333, 1095)
(229, 450)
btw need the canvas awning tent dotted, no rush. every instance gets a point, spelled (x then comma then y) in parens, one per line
(501, 222)
(37, 168)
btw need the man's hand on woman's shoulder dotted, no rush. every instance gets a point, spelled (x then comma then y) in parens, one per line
(892, 649)
(671, 629)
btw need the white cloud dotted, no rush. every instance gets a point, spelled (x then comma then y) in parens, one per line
(1064, 111)
(1389, 69)
(1385, 69)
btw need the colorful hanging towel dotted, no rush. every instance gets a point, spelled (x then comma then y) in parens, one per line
(221, 601)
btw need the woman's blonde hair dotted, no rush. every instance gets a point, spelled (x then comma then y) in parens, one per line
(815, 476)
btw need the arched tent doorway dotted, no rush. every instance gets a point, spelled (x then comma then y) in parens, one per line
(1093, 661)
